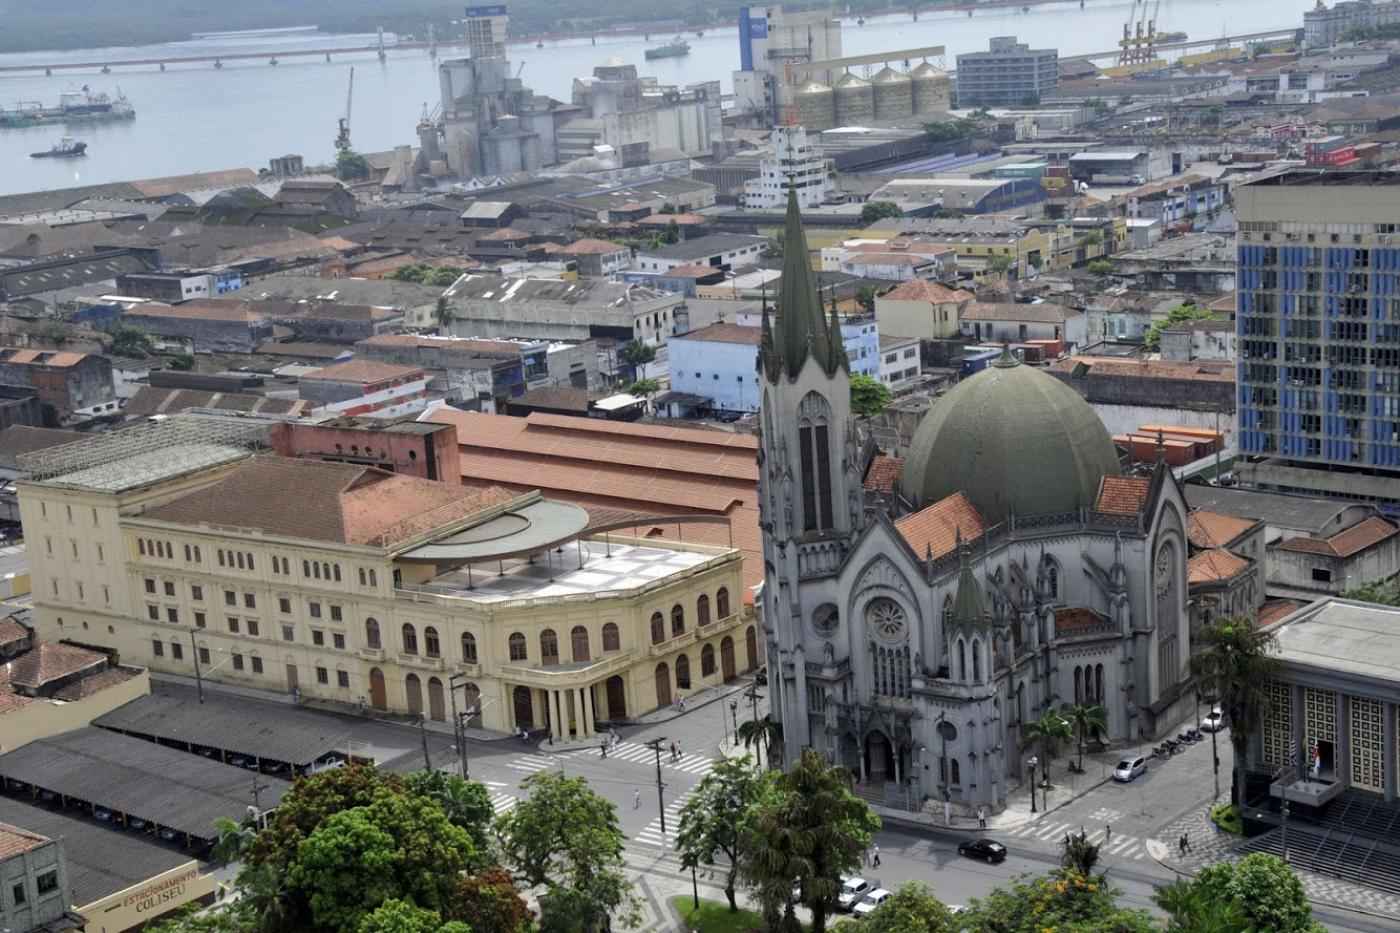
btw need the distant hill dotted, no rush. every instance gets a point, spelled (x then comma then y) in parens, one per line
(75, 24)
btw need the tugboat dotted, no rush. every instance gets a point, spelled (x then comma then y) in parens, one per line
(66, 148)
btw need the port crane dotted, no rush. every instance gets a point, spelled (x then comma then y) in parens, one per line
(342, 137)
(1139, 43)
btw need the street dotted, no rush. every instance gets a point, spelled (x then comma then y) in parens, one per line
(1135, 815)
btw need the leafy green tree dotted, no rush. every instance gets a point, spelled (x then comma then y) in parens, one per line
(1153, 338)
(803, 835)
(182, 361)
(948, 213)
(647, 387)
(1264, 888)
(673, 232)
(879, 210)
(311, 802)
(773, 248)
(132, 341)
(1049, 734)
(488, 902)
(399, 846)
(999, 263)
(398, 916)
(351, 166)
(48, 415)
(1100, 266)
(1233, 660)
(948, 131)
(1085, 720)
(869, 396)
(638, 354)
(712, 820)
(912, 908)
(865, 297)
(1190, 909)
(566, 837)
(466, 804)
(409, 272)
(1376, 591)
(1060, 900)
(1078, 854)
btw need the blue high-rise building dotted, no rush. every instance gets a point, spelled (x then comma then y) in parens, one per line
(1318, 314)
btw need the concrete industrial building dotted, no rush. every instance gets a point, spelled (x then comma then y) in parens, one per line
(1008, 74)
(1319, 327)
(769, 38)
(344, 582)
(545, 309)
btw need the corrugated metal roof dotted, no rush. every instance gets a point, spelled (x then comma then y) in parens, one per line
(183, 791)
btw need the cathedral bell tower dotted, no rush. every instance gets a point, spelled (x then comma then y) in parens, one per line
(810, 490)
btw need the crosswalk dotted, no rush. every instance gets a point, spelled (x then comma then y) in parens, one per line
(638, 753)
(1130, 847)
(502, 803)
(530, 763)
(651, 835)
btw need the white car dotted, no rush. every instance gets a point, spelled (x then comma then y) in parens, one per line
(852, 890)
(868, 904)
(1213, 721)
(1130, 768)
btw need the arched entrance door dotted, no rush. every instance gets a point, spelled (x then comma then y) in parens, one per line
(377, 696)
(413, 689)
(524, 709)
(751, 647)
(726, 657)
(663, 685)
(879, 757)
(437, 707)
(471, 698)
(617, 698)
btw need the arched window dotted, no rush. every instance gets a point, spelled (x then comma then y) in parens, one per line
(141, 546)
(962, 660)
(431, 646)
(1098, 683)
(517, 647)
(372, 633)
(722, 602)
(702, 610)
(677, 620)
(549, 647)
(469, 647)
(316, 570)
(658, 628)
(335, 570)
(362, 576)
(578, 643)
(187, 553)
(947, 612)
(305, 566)
(707, 660)
(373, 578)
(325, 571)
(410, 639)
(955, 773)
(976, 661)
(683, 672)
(239, 559)
(814, 459)
(1052, 579)
(612, 640)
(197, 558)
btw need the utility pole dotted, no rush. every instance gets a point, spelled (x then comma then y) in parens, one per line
(423, 734)
(459, 729)
(655, 745)
(198, 679)
(257, 805)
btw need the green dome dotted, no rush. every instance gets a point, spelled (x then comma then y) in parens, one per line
(1010, 437)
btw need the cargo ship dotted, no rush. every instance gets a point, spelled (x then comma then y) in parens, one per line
(673, 49)
(73, 107)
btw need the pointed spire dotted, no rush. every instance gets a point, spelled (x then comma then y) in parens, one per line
(800, 325)
(968, 615)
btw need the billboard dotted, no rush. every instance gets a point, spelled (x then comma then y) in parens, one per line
(475, 12)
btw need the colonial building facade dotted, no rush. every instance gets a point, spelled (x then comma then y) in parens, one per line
(1014, 571)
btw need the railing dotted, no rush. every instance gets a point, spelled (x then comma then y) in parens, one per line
(547, 677)
(675, 641)
(818, 558)
(418, 660)
(371, 654)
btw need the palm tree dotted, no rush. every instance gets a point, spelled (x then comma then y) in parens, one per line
(767, 731)
(1191, 908)
(442, 314)
(1234, 661)
(1050, 732)
(1086, 720)
(234, 838)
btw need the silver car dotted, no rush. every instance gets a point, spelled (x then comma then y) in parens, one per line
(852, 890)
(1130, 768)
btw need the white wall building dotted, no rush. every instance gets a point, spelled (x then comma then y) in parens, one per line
(793, 164)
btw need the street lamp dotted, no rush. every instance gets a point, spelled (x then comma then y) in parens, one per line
(734, 714)
(1214, 749)
(1032, 763)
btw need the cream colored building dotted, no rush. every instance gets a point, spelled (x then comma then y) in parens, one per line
(178, 544)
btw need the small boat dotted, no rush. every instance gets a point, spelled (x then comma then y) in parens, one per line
(676, 48)
(65, 148)
(860, 20)
(539, 45)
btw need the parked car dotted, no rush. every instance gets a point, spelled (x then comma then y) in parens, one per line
(852, 890)
(868, 904)
(987, 850)
(138, 824)
(170, 835)
(103, 814)
(1130, 768)
(1213, 721)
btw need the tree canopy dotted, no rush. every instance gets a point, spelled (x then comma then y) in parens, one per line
(1153, 338)
(351, 166)
(422, 274)
(869, 396)
(712, 820)
(1232, 661)
(912, 908)
(1387, 593)
(1061, 900)
(132, 341)
(1259, 892)
(879, 210)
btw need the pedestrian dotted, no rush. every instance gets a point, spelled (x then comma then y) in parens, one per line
(681, 701)
(1181, 845)
(603, 749)
(680, 752)
(362, 705)
(673, 753)
(612, 737)
(875, 856)
(1186, 841)
(1107, 833)
(981, 817)
(636, 798)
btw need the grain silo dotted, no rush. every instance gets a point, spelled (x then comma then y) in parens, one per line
(894, 94)
(931, 94)
(855, 100)
(814, 106)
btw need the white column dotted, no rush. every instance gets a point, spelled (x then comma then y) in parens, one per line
(587, 693)
(561, 725)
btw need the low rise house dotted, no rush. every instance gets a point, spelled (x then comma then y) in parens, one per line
(920, 308)
(597, 258)
(1182, 199)
(1308, 567)
(727, 251)
(1018, 322)
(75, 384)
(493, 306)
(717, 363)
(1199, 340)
(899, 359)
(364, 388)
(1128, 393)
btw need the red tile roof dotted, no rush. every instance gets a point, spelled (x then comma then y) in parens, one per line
(363, 371)
(11, 701)
(96, 682)
(48, 662)
(1276, 609)
(924, 290)
(1208, 529)
(938, 527)
(1357, 538)
(1123, 495)
(14, 841)
(1215, 566)
(725, 333)
(328, 502)
(593, 247)
(1078, 619)
(650, 470)
(884, 474)
(11, 631)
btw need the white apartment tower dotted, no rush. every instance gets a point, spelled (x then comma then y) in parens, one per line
(794, 165)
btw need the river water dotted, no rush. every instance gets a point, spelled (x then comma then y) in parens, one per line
(195, 118)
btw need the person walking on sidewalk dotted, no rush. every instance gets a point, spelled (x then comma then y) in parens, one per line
(1107, 833)
(680, 752)
(636, 798)
(874, 856)
(981, 817)
(1186, 841)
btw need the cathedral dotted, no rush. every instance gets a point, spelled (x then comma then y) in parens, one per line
(1014, 570)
